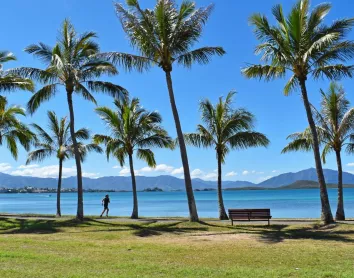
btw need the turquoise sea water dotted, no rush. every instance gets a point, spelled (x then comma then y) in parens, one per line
(283, 203)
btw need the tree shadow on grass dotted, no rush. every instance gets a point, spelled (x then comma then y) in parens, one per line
(272, 234)
(15, 226)
(276, 233)
(140, 229)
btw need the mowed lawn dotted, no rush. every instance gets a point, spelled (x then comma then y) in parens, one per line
(173, 248)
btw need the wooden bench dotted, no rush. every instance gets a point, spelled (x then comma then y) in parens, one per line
(249, 215)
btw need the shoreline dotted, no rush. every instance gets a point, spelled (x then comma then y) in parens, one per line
(165, 191)
(157, 218)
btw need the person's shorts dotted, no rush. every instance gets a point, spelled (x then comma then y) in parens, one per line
(105, 207)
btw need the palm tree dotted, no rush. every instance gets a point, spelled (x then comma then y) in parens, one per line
(133, 129)
(334, 127)
(10, 81)
(164, 36)
(12, 130)
(225, 129)
(304, 46)
(70, 63)
(59, 143)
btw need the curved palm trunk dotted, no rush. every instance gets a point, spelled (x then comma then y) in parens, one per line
(326, 214)
(222, 212)
(193, 214)
(80, 200)
(59, 187)
(135, 214)
(340, 206)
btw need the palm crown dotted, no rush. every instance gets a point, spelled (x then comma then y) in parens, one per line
(10, 81)
(334, 123)
(164, 35)
(72, 64)
(59, 142)
(302, 44)
(12, 130)
(132, 129)
(226, 128)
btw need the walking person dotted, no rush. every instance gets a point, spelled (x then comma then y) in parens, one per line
(105, 202)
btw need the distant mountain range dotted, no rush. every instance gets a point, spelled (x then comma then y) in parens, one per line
(169, 183)
(331, 176)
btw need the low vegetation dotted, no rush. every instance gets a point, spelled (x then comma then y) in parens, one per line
(172, 248)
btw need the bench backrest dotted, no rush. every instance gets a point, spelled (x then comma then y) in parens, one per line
(248, 213)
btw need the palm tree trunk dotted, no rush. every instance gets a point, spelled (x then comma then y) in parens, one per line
(80, 200)
(135, 214)
(326, 214)
(222, 212)
(59, 187)
(193, 214)
(340, 206)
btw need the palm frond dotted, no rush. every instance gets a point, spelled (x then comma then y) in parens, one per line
(200, 56)
(85, 93)
(41, 51)
(300, 144)
(333, 72)
(39, 155)
(326, 150)
(6, 56)
(199, 140)
(10, 82)
(265, 72)
(82, 134)
(127, 61)
(108, 88)
(46, 93)
(246, 139)
(147, 155)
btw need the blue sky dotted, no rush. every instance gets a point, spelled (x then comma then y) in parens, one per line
(26, 22)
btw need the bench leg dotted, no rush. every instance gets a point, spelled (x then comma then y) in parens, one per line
(268, 222)
(232, 222)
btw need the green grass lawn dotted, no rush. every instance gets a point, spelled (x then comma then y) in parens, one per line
(176, 248)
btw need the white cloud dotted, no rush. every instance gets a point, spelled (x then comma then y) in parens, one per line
(91, 175)
(231, 174)
(254, 172)
(124, 172)
(28, 166)
(159, 168)
(197, 173)
(177, 171)
(351, 164)
(50, 171)
(275, 171)
(116, 167)
(5, 167)
(167, 169)
(210, 176)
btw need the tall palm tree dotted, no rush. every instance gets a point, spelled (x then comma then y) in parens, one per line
(304, 46)
(12, 131)
(133, 130)
(59, 143)
(164, 36)
(10, 81)
(335, 126)
(71, 63)
(225, 129)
